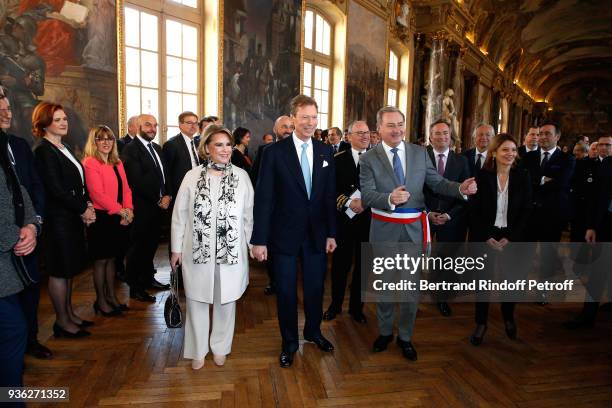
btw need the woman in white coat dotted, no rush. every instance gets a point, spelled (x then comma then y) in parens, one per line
(211, 227)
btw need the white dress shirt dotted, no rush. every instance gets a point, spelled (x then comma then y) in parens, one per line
(484, 156)
(356, 154)
(444, 158)
(501, 215)
(188, 141)
(298, 148)
(146, 145)
(401, 152)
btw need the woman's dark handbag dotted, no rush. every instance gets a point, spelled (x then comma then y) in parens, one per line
(172, 309)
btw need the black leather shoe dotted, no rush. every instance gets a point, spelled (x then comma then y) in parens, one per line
(322, 343)
(444, 309)
(408, 349)
(157, 285)
(330, 313)
(269, 290)
(359, 317)
(38, 351)
(59, 331)
(578, 323)
(85, 323)
(478, 336)
(382, 342)
(142, 296)
(286, 359)
(510, 329)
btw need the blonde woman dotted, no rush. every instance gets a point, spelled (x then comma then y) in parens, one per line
(211, 226)
(112, 200)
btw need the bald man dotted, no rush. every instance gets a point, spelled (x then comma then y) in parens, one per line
(145, 170)
(283, 127)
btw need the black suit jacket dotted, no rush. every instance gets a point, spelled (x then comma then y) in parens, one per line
(27, 172)
(551, 197)
(257, 164)
(456, 170)
(483, 205)
(601, 196)
(121, 142)
(284, 215)
(177, 162)
(582, 187)
(66, 194)
(142, 175)
(470, 155)
(347, 181)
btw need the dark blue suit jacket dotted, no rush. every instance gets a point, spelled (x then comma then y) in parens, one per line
(284, 216)
(28, 173)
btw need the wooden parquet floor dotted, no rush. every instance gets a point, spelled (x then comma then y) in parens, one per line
(134, 360)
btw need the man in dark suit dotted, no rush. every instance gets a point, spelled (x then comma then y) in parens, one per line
(132, 131)
(551, 171)
(447, 215)
(581, 187)
(146, 173)
(334, 137)
(180, 152)
(599, 230)
(353, 225)
(295, 218)
(283, 127)
(530, 142)
(481, 136)
(22, 159)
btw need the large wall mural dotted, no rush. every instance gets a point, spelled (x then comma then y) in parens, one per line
(261, 62)
(365, 80)
(64, 52)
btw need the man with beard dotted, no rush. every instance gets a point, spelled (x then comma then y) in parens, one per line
(283, 127)
(144, 167)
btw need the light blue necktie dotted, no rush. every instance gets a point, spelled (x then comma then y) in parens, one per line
(397, 167)
(306, 169)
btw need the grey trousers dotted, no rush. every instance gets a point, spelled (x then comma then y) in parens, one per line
(407, 313)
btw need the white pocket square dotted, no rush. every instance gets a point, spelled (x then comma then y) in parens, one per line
(325, 164)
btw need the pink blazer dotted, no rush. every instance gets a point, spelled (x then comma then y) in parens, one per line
(103, 187)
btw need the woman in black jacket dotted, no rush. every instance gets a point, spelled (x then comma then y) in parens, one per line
(240, 154)
(499, 212)
(67, 212)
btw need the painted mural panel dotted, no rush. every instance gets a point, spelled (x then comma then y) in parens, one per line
(64, 52)
(365, 80)
(261, 62)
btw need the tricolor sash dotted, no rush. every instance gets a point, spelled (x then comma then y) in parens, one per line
(405, 216)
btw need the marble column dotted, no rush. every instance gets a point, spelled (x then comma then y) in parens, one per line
(436, 80)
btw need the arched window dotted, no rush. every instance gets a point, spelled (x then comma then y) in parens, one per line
(162, 60)
(393, 79)
(318, 57)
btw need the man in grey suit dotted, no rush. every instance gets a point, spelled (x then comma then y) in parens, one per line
(392, 177)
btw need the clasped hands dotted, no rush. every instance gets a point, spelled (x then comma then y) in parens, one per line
(89, 216)
(164, 202)
(497, 245)
(127, 216)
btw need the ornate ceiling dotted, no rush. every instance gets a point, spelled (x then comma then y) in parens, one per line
(549, 47)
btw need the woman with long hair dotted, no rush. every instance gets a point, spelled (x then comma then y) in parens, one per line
(112, 200)
(499, 212)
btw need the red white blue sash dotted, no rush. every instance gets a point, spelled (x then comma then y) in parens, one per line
(405, 216)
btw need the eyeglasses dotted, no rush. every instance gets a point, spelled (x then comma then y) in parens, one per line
(105, 139)
(190, 123)
(5, 110)
(361, 134)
